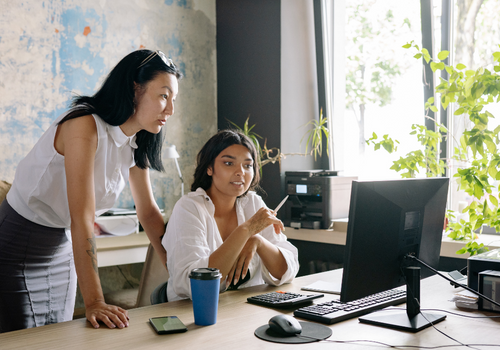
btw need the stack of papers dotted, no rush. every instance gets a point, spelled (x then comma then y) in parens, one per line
(117, 225)
(323, 287)
(465, 299)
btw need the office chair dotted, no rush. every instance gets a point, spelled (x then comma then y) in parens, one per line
(4, 188)
(153, 274)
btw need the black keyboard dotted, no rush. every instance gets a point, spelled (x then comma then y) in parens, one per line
(336, 311)
(282, 299)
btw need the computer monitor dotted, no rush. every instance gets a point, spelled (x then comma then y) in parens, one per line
(387, 221)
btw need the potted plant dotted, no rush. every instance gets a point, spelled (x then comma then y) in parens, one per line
(314, 135)
(476, 149)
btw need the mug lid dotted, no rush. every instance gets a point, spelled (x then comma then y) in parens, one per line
(205, 273)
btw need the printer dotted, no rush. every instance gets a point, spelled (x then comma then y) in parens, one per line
(476, 264)
(316, 198)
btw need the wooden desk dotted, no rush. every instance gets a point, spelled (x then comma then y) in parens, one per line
(120, 250)
(449, 247)
(237, 321)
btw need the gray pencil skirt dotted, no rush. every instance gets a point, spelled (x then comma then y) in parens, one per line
(37, 273)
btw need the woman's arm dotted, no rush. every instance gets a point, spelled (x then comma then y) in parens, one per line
(289, 254)
(147, 210)
(225, 257)
(187, 242)
(279, 258)
(271, 257)
(76, 140)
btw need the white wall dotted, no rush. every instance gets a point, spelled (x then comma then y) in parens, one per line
(299, 88)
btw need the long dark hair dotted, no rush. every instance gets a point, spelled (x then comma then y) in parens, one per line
(114, 102)
(218, 143)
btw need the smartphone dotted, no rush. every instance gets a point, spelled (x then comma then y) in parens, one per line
(167, 325)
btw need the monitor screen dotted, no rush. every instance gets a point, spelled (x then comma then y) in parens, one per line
(388, 220)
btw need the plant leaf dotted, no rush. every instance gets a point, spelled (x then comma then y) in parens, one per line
(443, 55)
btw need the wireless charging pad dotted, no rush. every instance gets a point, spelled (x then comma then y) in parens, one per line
(311, 332)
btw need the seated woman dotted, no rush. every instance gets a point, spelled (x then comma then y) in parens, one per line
(225, 225)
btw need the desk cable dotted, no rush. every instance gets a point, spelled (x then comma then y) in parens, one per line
(396, 346)
(416, 299)
(472, 346)
(445, 311)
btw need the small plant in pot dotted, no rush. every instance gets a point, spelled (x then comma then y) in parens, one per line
(317, 131)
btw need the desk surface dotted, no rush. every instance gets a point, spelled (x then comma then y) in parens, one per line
(237, 321)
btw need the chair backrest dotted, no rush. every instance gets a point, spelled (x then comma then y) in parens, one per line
(4, 188)
(153, 274)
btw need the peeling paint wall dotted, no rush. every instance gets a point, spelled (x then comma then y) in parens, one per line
(51, 50)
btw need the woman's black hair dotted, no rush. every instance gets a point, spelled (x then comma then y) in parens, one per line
(115, 101)
(218, 143)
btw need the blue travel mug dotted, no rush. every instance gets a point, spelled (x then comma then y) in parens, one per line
(205, 284)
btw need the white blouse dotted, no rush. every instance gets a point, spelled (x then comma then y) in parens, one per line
(192, 236)
(39, 190)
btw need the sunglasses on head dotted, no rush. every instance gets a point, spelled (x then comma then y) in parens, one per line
(160, 54)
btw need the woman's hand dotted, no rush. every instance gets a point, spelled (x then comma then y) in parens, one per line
(112, 316)
(227, 257)
(262, 219)
(240, 267)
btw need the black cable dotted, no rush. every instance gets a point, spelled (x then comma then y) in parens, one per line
(472, 346)
(440, 310)
(452, 281)
(392, 346)
(410, 294)
(443, 333)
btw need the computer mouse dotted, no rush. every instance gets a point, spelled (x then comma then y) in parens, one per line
(285, 325)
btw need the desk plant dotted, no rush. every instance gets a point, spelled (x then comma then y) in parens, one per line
(272, 155)
(476, 149)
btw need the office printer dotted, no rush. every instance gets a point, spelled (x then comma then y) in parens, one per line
(316, 198)
(489, 260)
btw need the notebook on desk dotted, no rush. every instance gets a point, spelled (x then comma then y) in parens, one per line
(323, 287)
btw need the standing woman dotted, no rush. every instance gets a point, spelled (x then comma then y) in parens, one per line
(74, 173)
(224, 224)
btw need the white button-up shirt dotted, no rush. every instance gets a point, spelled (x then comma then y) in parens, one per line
(192, 236)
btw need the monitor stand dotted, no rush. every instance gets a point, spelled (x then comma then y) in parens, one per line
(412, 320)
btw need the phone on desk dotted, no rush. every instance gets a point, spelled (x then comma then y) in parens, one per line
(167, 325)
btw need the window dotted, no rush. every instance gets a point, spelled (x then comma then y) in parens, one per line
(384, 92)
(476, 32)
(384, 83)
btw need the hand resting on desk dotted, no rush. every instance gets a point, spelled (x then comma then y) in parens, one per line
(112, 316)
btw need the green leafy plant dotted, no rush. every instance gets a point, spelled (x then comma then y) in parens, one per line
(272, 155)
(315, 135)
(412, 162)
(247, 130)
(476, 148)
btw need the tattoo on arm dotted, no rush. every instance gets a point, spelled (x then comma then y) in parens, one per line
(92, 252)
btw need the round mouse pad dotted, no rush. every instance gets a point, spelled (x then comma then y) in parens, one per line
(311, 332)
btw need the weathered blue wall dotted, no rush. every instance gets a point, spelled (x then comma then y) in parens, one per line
(50, 50)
